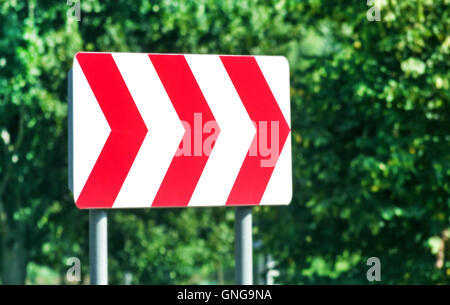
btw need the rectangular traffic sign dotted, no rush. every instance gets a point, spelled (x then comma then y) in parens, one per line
(173, 130)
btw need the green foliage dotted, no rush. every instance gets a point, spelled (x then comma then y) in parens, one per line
(371, 153)
(370, 117)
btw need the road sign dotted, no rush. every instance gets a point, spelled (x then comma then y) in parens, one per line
(160, 130)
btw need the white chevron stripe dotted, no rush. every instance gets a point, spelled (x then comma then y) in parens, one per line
(236, 131)
(165, 131)
(276, 73)
(90, 129)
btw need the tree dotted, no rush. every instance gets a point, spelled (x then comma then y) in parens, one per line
(371, 150)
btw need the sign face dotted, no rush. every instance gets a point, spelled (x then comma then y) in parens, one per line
(171, 130)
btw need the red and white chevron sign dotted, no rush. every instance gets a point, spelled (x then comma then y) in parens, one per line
(159, 130)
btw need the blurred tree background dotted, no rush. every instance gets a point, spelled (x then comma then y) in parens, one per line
(371, 141)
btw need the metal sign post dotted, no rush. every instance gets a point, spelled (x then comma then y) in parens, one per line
(243, 246)
(124, 152)
(98, 247)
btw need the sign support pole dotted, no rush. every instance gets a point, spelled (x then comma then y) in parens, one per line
(98, 247)
(243, 245)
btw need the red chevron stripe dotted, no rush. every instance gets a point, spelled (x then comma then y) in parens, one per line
(128, 131)
(184, 172)
(261, 105)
